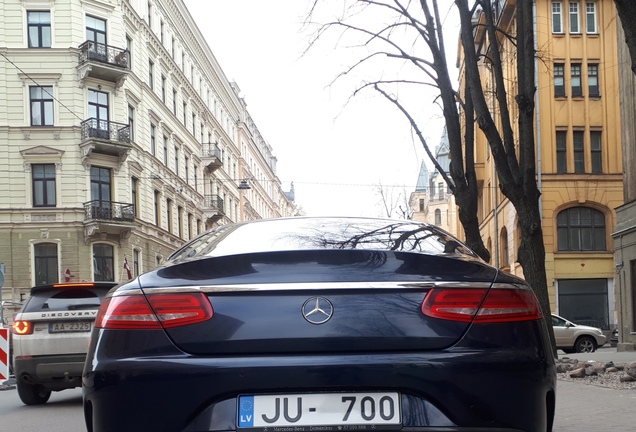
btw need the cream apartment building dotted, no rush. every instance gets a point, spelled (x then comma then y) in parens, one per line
(122, 139)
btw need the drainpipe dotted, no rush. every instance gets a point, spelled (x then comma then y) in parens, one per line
(536, 108)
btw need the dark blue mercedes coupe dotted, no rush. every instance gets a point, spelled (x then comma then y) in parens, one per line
(321, 325)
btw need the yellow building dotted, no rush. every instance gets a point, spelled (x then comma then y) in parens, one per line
(579, 163)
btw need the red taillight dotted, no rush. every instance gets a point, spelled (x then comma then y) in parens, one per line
(154, 311)
(466, 305)
(22, 327)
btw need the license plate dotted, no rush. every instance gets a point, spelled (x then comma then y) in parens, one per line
(73, 326)
(302, 412)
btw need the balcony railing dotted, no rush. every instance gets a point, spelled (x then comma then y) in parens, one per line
(212, 156)
(102, 53)
(109, 211)
(105, 130)
(213, 202)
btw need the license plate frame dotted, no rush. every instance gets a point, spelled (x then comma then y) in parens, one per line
(70, 327)
(316, 412)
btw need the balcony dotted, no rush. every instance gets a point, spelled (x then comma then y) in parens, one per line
(103, 62)
(213, 208)
(103, 219)
(212, 157)
(104, 137)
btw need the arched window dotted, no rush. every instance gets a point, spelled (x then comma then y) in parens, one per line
(438, 217)
(581, 229)
(103, 262)
(503, 247)
(45, 260)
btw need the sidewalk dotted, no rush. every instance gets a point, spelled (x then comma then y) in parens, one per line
(588, 408)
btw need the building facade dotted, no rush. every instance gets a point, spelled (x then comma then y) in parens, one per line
(433, 201)
(122, 140)
(625, 233)
(579, 163)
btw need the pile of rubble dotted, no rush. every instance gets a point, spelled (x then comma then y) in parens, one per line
(619, 375)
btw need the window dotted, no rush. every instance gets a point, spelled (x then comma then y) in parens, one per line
(43, 185)
(103, 262)
(186, 162)
(504, 259)
(96, 32)
(194, 125)
(176, 160)
(581, 229)
(41, 99)
(172, 47)
(557, 17)
(39, 23)
(421, 204)
(163, 89)
(45, 261)
(149, 15)
(129, 46)
(165, 150)
(574, 17)
(590, 17)
(134, 194)
(131, 121)
(174, 101)
(157, 208)
(596, 152)
(136, 262)
(440, 189)
(180, 220)
(579, 153)
(438, 217)
(169, 214)
(575, 72)
(561, 152)
(101, 192)
(98, 111)
(162, 30)
(151, 71)
(592, 80)
(196, 180)
(559, 80)
(190, 226)
(185, 112)
(153, 143)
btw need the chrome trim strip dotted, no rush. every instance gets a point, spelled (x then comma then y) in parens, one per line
(316, 286)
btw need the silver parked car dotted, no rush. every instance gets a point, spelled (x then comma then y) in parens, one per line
(571, 337)
(50, 337)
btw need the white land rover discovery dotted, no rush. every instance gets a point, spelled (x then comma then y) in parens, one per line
(50, 337)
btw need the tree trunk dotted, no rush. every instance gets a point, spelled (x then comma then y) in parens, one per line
(627, 13)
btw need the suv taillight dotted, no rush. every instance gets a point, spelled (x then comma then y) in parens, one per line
(154, 311)
(466, 305)
(22, 327)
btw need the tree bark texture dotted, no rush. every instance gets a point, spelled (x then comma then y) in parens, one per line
(627, 13)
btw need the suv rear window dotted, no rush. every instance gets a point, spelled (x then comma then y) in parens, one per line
(64, 299)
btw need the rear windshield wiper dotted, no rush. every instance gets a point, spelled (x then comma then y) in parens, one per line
(84, 306)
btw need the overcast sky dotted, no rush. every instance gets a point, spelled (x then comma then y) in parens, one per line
(336, 149)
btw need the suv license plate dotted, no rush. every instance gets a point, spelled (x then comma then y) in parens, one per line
(72, 326)
(304, 412)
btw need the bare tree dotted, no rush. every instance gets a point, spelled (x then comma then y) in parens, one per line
(393, 206)
(411, 34)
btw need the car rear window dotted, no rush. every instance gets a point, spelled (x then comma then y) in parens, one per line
(321, 233)
(65, 299)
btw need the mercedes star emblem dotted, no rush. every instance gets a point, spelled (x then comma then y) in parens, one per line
(317, 310)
